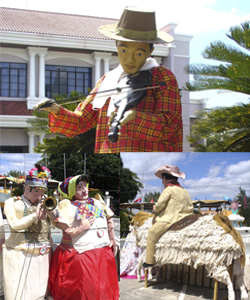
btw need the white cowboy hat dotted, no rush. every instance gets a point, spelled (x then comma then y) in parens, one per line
(172, 170)
(136, 25)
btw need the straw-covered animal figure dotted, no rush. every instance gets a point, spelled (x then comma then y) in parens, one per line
(199, 240)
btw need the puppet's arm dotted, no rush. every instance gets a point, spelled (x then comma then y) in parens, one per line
(111, 233)
(74, 231)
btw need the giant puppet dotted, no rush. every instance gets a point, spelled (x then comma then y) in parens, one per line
(2, 239)
(144, 112)
(173, 204)
(177, 236)
(83, 266)
(26, 252)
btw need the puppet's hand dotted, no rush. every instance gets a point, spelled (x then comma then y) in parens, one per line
(48, 105)
(87, 223)
(111, 118)
(1, 242)
(111, 234)
(128, 116)
(41, 213)
(113, 245)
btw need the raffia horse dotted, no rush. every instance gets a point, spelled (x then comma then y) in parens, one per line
(209, 241)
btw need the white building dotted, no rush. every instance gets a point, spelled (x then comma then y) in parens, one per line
(40, 47)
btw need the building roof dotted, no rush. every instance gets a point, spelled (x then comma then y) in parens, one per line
(51, 23)
(15, 108)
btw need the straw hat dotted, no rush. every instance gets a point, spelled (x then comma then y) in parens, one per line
(136, 25)
(172, 170)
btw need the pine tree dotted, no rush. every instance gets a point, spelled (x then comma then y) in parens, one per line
(224, 129)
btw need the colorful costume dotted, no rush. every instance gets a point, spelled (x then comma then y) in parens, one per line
(173, 204)
(157, 126)
(26, 252)
(129, 257)
(83, 267)
(2, 238)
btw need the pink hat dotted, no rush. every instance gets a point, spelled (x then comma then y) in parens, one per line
(172, 170)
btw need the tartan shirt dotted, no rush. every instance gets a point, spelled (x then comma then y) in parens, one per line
(157, 126)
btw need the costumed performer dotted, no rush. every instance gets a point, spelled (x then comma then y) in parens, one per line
(26, 252)
(129, 256)
(2, 239)
(83, 266)
(155, 124)
(173, 204)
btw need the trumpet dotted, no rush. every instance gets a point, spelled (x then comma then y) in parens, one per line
(49, 203)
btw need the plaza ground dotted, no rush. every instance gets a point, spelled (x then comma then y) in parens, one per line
(131, 289)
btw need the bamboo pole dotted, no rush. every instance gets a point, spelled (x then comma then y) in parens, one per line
(215, 290)
(146, 277)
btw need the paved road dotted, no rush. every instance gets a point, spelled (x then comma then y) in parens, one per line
(130, 289)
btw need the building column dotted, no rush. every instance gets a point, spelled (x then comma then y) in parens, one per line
(41, 137)
(32, 79)
(106, 57)
(31, 135)
(97, 59)
(42, 52)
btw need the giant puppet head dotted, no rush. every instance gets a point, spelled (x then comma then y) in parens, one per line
(135, 35)
(34, 188)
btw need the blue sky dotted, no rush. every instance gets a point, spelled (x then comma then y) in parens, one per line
(210, 176)
(206, 21)
(18, 162)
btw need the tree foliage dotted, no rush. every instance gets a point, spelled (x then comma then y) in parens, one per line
(149, 196)
(130, 185)
(79, 144)
(234, 71)
(125, 220)
(245, 206)
(103, 169)
(225, 129)
(106, 172)
(228, 128)
(15, 173)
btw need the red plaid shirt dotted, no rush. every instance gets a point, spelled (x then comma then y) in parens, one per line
(157, 126)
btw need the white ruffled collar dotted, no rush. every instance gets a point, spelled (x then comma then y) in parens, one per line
(113, 79)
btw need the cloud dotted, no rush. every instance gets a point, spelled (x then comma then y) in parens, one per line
(214, 170)
(234, 176)
(18, 162)
(145, 164)
(209, 176)
(240, 169)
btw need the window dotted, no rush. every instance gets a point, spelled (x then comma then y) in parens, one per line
(14, 149)
(13, 80)
(63, 80)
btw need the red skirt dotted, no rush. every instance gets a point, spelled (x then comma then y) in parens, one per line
(91, 275)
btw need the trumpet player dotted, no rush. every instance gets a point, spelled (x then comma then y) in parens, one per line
(26, 252)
